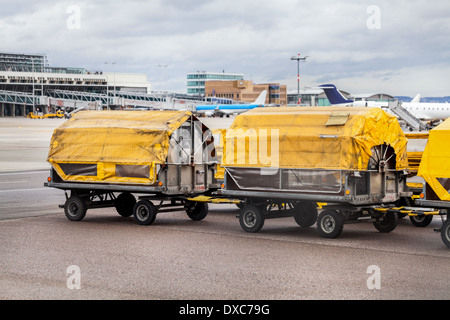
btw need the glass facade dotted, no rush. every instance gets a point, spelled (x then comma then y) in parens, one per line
(196, 81)
(34, 63)
(22, 62)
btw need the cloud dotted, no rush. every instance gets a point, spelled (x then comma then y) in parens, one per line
(251, 37)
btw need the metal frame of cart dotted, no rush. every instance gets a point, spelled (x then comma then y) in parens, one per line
(361, 196)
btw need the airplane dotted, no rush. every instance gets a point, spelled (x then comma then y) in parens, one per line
(420, 110)
(228, 109)
(427, 111)
(337, 99)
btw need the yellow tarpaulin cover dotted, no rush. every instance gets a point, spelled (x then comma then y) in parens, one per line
(435, 162)
(312, 138)
(113, 143)
(219, 136)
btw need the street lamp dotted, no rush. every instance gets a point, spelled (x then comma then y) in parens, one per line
(163, 67)
(107, 85)
(32, 70)
(297, 57)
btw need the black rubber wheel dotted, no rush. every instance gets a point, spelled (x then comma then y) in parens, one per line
(251, 219)
(197, 210)
(388, 224)
(305, 214)
(125, 204)
(330, 223)
(445, 232)
(75, 208)
(144, 212)
(421, 221)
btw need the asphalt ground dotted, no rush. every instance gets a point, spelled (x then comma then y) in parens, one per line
(43, 255)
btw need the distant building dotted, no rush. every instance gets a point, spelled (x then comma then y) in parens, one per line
(379, 97)
(310, 97)
(196, 80)
(22, 62)
(246, 90)
(27, 83)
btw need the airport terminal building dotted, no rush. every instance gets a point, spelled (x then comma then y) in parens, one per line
(29, 84)
(234, 87)
(196, 81)
(246, 90)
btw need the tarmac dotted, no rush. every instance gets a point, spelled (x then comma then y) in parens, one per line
(176, 258)
(25, 143)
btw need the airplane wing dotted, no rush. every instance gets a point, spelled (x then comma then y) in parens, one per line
(220, 112)
(215, 112)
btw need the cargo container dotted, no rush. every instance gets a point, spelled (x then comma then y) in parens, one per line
(282, 161)
(104, 157)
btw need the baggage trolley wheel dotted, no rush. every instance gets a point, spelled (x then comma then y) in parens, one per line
(330, 223)
(251, 219)
(388, 224)
(445, 233)
(196, 210)
(144, 212)
(305, 214)
(421, 221)
(125, 204)
(75, 208)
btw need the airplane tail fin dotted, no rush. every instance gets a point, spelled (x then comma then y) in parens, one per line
(333, 94)
(416, 99)
(261, 100)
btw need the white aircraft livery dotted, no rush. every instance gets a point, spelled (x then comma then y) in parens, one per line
(420, 110)
(428, 111)
(337, 99)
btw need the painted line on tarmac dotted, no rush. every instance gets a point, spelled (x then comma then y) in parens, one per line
(19, 190)
(22, 172)
(17, 181)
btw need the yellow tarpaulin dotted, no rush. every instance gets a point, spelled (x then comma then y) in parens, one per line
(219, 136)
(435, 164)
(312, 138)
(113, 146)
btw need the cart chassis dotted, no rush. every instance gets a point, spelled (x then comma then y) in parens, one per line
(443, 209)
(84, 196)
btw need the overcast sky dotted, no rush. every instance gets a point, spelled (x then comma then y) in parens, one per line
(396, 47)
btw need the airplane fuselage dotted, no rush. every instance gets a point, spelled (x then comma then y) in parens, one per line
(428, 111)
(225, 108)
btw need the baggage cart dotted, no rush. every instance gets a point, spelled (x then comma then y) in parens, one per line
(105, 158)
(434, 168)
(282, 161)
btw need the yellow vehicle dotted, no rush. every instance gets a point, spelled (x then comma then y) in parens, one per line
(435, 170)
(31, 115)
(59, 114)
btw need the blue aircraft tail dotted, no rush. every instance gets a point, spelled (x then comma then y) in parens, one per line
(333, 94)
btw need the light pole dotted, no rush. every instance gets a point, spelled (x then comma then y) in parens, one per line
(297, 57)
(163, 67)
(32, 74)
(114, 87)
